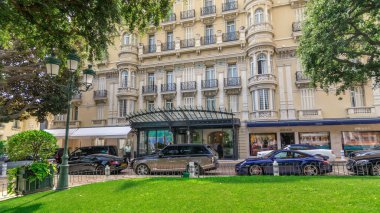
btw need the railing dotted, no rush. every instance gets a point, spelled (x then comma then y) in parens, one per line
(100, 94)
(170, 18)
(310, 112)
(168, 46)
(360, 110)
(229, 6)
(262, 77)
(297, 26)
(168, 87)
(300, 76)
(101, 122)
(230, 36)
(232, 82)
(187, 14)
(208, 10)
(149, 89)
(211, 83)
(187, 43)
(264, 114)
(150, 48)
(206, 40)
(190, 85)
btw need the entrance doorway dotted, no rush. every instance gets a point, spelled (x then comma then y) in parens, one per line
(287, 138)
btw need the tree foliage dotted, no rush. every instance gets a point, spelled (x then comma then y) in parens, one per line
(38, 144)
(32, 29)
(340, 45)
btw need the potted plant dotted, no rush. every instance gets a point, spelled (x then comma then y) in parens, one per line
(38, 146)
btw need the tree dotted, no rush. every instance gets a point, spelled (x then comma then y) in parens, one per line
(38, 144)
(340, 45)
(32, 29)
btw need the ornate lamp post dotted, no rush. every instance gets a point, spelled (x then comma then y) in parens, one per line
(52, 68)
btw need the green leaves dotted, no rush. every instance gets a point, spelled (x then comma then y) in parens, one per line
(340, 45)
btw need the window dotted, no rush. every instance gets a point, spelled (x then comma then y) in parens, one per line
(357, 97)
(188, 102)
(126, 39)
(131, 106)
(210, 103)
(210, 73)
(169, 77)
(133, 79)
(283, 155)
(123, 107)
(169, 104)
(208, 3)
(100, 112)
(307, 99)
(300, 14)
(232, 71)
(188, 33)
(230, 27)
(16, 124)
(60, 117)
(74, 113)
(249, 19)
(170, 150)
(259, 16)
(124, 79)
(152, 44)
(299, 155)
(188, 5)
(189, 74)
(150, 105)
(150, 79)
(209, 34)
(262, 64)
(252, 66)
(102, 83)
(234, 103)
(169, 41)
(261, 99)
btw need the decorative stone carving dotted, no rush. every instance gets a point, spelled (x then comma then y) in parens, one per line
(284, 53)
(210, 93)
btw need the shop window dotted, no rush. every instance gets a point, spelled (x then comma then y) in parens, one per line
(262, 142)
(353, 141)
(317, 139)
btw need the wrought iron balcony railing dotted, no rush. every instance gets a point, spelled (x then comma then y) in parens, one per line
(230, 36)
(168, 46)
(297, 26)
(206, 40)
(230, 6)
(211, 83)
(190, 85)
(149, 89)
(208, 10)
(100, 93)
(150, 48)
(170, 18)
(232, 82)
(187, 43)
(168, 87)
(300, 76)
(187, 14)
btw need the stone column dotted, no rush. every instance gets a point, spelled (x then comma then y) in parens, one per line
(289, 84)
(220, 77)
(159, 96)
(179, 94)
(242, 68)
(281, 86)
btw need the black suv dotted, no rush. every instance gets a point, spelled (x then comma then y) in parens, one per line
(176, 158)
(87, 150)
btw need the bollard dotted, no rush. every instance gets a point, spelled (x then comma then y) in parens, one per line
(276, 171)
(4, 170)
(107, 171)
(191, 169)
(342, 154)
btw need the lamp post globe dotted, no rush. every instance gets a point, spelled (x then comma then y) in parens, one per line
(52, 65)
(88, 76)
(72, 62)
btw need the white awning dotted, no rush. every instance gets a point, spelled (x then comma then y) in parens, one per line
(93, 132)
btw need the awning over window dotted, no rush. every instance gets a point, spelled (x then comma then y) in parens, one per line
(93, 132)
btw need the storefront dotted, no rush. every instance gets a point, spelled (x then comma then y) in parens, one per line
(157, 128)
(338, 134)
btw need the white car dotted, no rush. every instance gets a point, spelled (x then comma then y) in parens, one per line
(312, 150)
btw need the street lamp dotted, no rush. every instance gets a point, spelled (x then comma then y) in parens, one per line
(52, 68)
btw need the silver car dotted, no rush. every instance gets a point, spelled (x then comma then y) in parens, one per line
(176, 158)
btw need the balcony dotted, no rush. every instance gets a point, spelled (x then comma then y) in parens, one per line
(262, 79)
(230, 36)
(60, 124)
(74, 124)
(127, 91)
(296, 29)
(207, 40)
(232, 85)
(76, 99)
(361, 112)
(168, 46)
(302, 80)
(149, 90)
(99, 122)
(186, 43)
(188, 15)
(210, 84)
(261, 27)
(264, 115)
(310, 114)
(100, 96)
(189, 87)
(169, 20)
(168, 88)
(150, 48)
(229, 7)
(208, 11)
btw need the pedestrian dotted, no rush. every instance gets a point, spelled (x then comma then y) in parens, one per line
(127, 152)
(219, 149)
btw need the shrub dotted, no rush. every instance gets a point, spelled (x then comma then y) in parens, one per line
(2, 147)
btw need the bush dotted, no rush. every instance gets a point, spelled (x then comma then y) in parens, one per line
(2, 147)
(37, 144)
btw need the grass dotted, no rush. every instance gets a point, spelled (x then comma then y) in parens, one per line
(214, 194)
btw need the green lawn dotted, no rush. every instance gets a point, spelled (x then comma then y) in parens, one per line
(217, 194)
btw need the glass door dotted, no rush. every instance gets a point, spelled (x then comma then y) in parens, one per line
(169, 41)
(209, 38)
(287, 138)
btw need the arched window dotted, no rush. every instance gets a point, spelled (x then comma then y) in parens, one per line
(124, 79)
(133, 79)
(127, 39)
(259, 16)
(262, 65)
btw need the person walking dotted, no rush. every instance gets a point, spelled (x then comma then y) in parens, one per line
(127, 152)
(219, 149)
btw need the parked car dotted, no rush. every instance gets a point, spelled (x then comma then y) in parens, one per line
(58, 155)
(88, 150)
(374, 150)
(365, 163)
(96, 164)
(176, 158)
(289, 162)
(305, 148)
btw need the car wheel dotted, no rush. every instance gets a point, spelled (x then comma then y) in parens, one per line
(310, 169)
(100, 170)
(142, 169)
(376, 170)
(255, 170)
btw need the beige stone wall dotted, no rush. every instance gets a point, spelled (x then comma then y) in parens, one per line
(9, 129)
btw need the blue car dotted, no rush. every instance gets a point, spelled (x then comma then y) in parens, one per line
(290, 163)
